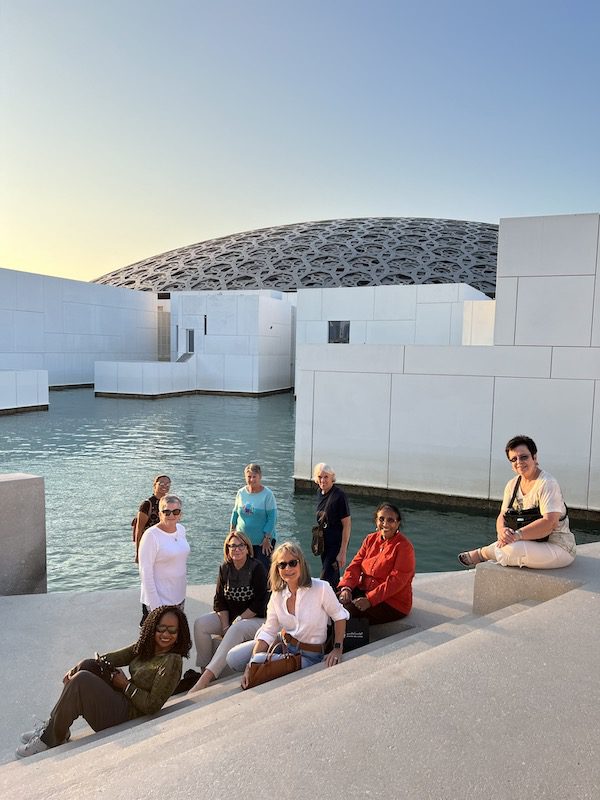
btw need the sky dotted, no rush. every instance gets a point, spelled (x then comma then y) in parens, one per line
(133, 127)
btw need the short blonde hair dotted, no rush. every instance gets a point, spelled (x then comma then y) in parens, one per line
(243, 538)
(276, 582)
(322, 467)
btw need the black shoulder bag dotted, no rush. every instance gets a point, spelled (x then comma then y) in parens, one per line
(514, 519)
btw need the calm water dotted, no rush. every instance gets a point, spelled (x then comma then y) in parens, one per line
(98, 457)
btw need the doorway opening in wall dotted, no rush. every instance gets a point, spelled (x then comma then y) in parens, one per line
(163, 327)
(339, 332)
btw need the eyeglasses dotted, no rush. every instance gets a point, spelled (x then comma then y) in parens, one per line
(163, 483)
(285, 564)
(514, 459)
(236, 546)
(168, 511)
(387, 519)
(172, 629)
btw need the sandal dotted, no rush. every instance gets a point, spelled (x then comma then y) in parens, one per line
(467, 559)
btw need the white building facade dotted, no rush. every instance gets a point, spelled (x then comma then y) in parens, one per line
(434, 417)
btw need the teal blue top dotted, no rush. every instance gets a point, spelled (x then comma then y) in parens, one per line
(255, 514)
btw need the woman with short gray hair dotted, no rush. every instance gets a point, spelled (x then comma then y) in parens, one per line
(333, 518)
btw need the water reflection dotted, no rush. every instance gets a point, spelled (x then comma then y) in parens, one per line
(98, 457)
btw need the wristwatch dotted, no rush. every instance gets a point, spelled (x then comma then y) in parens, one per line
(337, 646)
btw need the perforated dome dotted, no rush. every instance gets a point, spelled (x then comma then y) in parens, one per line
(343, 252)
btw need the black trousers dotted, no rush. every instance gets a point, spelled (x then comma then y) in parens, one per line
(376, 615)
(88, 696)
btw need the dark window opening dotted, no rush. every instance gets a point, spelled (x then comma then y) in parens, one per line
(339, 332)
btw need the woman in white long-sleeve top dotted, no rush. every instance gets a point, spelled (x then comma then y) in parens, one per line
(302, 607)
(163, 555)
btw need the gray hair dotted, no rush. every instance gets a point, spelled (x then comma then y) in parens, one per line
(322, 467)
(169, 498)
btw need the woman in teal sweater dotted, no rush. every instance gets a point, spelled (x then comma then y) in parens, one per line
(255, 514)
(101, 692)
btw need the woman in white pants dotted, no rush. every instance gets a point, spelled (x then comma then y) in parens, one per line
(239, 608)
(541, 538)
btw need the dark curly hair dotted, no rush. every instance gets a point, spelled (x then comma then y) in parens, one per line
(144, 647)
(517, 441)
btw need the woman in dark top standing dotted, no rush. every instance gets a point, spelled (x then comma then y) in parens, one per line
(333, 514)
(239, 608)
(148, 511)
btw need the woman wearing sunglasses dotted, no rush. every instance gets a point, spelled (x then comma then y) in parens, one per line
(378, 582)
(154, 664)
(239, 608)
(533, 524)
(163, 555)
(302, 607)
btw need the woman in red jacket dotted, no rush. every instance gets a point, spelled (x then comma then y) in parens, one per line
(378, 582)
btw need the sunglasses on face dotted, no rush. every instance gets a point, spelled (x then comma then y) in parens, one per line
(172, 629)
(236, 546)
(393, 520)
(514, 459)
(168, 511)
(285, 564)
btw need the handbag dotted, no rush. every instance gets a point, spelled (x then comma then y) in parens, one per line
(272, 668)
(515, 519)
(357, 633)
(99, 666)
(317, 544)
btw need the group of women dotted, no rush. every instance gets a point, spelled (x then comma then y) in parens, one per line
(263, 590)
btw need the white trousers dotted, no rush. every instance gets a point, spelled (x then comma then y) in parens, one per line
(535, 555)
(209, 625)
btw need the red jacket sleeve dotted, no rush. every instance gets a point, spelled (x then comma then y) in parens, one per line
(399, 579)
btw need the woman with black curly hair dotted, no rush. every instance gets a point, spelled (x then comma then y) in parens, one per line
(154, 663)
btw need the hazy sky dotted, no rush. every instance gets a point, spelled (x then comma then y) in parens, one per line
(131, 127)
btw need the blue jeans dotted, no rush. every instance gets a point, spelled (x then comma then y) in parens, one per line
(241, 654)
(309, 658)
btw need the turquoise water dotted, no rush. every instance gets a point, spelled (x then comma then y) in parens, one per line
(98, 457)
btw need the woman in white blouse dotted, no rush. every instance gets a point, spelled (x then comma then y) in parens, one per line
(163, 555)
(301, 606)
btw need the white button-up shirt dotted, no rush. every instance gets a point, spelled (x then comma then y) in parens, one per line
(315, 606)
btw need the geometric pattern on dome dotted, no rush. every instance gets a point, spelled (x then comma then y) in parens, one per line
(342, 252)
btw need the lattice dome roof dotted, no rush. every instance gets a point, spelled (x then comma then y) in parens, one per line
(342, 252)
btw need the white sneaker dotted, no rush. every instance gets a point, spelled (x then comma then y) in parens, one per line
(33, 746)
(37, 731)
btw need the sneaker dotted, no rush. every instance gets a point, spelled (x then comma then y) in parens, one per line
(39, 729)
(33, 746)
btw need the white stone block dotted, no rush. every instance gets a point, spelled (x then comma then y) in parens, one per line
(437, 293)
(456, 323)
(358, 331)
(247, 316)
(150, 377)
(29, 331)
(129, 377)
(395, 303)
(483, 313)
(239, 374)
(27, 388)
(433, 323)
(440, 434)
(7, 333)
(557, 245)
(221, 312)
(309, 305)
(317, 332)
(303, 458)
(106, 376)
(555, 310)
(506, 310)
(210, 372)
(8, 289)
(557, 414)
(594, 482)
(576, 362)
(388, 332)
(490, 361)
(30, 292)
(348, 303)
(226, 345)
(8, 388)
(466, 292)
(351, 425)
(351, 358)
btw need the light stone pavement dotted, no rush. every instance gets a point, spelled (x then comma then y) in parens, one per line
(462, 706)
